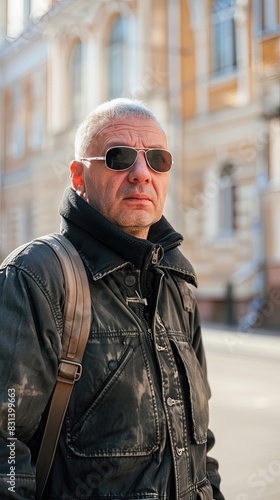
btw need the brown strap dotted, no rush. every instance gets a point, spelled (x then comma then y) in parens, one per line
(77, 321)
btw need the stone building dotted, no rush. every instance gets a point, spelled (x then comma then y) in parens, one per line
(211, 71)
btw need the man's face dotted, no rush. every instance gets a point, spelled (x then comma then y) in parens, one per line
(132, 199)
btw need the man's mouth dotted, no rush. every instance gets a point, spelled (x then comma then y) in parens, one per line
(137, 196)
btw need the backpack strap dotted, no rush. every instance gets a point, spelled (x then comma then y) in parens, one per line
(77, 321)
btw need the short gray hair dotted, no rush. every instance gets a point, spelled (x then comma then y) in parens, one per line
(121, 107)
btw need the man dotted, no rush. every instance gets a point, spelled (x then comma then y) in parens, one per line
(137, 423)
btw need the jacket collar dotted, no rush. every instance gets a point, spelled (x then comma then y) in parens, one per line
(105, 247)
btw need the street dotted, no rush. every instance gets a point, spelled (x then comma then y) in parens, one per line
(244, 374)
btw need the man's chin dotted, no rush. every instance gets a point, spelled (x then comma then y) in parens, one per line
(139, 229)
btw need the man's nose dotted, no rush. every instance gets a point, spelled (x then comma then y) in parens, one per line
(140, 171)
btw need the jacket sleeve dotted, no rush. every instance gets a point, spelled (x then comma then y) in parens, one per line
(30, 346)
(211, 463)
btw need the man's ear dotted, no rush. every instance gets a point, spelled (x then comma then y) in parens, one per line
(77, 177)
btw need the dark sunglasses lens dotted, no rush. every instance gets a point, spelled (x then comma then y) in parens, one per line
(159, 159)
(120, 158)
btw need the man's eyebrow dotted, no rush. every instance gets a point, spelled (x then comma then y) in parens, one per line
(158, 146)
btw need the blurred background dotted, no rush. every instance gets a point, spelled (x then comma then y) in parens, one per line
(210, 70)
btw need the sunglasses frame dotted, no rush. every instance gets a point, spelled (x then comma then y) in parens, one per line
(145, 150)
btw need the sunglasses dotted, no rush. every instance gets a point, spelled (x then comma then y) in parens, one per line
(123, 157)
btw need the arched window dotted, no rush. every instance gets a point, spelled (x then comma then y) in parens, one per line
(227, 223)
(76, 80)
(116, 54)
(223, 37)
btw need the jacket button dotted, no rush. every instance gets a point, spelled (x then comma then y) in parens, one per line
(130, 280)
(112, 365)
(179, 451)
(170, 401)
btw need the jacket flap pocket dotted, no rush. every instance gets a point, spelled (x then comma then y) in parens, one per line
(198, 390)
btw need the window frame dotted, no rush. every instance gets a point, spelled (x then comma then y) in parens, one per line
(36, 119)
(224, 55)
(117, 56)
(265, 12)
(16, 143)
(76, 69)
(227, 201)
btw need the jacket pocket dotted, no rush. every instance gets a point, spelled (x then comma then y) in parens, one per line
(120, 416)
(197, 389)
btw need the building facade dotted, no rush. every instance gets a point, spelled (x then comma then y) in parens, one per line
(232, 157)
(210, 70)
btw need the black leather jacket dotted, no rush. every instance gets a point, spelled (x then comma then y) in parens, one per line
(137, 423)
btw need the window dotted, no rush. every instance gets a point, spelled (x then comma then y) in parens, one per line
(16, 122)
(76, 79)
(268, 15)
(19, 12)
(227, 200)
(274, 151)
(223, 37)
(36, 106)
(24, 223)
(116, 52)
(15, 18)
(38, 9)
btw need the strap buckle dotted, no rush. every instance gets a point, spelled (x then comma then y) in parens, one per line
(78, 373)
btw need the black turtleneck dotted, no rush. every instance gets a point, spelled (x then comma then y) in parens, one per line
(106, 246)
(78, 215)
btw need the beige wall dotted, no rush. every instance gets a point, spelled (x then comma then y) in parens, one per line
(210, 120)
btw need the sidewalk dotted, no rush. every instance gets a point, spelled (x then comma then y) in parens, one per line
(244, 375)
(265, 343)
(235, 328)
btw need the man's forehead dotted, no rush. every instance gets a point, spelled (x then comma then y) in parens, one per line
(128, 126)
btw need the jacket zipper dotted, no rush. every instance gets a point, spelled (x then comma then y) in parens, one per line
(155, 255)
(150, 328)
